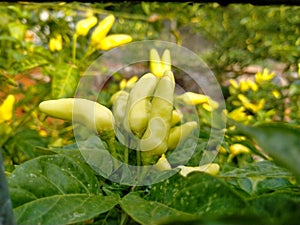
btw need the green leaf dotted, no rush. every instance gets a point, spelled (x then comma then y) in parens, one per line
(199, 194)
(64, 209)
(282, 207)
(64, 81)
(147, 212)
(281, 141)
(51, 175)
(259, 177)
(56, 189)
(17, 30)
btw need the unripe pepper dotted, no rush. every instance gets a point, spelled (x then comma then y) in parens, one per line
(102, 29)
(138, 105)
(162, 164)
(155, 139)
(176, 117)
(114, 40)
(180, 133)
(119, 106)
(89, 113)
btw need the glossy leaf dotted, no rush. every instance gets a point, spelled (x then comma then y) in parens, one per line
(147, 212)
(64, 81)
(48, 176)
(64, 209)
(57, 188)
(199, 194)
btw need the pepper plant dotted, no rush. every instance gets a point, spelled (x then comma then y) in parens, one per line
(119, 165)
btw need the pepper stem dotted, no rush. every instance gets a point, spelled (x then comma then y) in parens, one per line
(75, 36)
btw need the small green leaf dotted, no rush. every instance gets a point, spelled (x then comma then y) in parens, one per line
(259, 177)
(147, 212)
(17, 30)
(64, 209)
(64, 81)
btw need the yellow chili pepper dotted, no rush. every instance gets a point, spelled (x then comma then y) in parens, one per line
(128, 84)
(84, 25)
(237, 149)
(192, 98)
(264, 76)
(119, 106)
(55, 43)
(139, 105)
(6, 108)
(155, 139)
(210, 168)
(102, 29)
(176, 117)
(158, 66)
(80, 110)
(114, 40)
(162, 164)
(180, 133)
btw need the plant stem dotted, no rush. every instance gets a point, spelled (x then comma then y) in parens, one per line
(124, 218)
(110, 140)
(75, 36)
(126, 155)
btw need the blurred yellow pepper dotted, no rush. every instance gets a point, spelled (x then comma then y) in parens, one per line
(84, 25)
(251, 106)
(6, 108)
(244, 85)
(252, 85)
(261, 77)
(128, 83)
(276, 94)
(237, 149)
(240, 115)
(55, 43)
(102, 29)
(192, 98)
(159, 65)
(114, 40)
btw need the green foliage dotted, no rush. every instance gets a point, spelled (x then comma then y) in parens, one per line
(51, 182)
(244, 34)
(60, 190)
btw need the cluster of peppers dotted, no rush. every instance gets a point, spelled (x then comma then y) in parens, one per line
(100, 40)
(143, 114)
